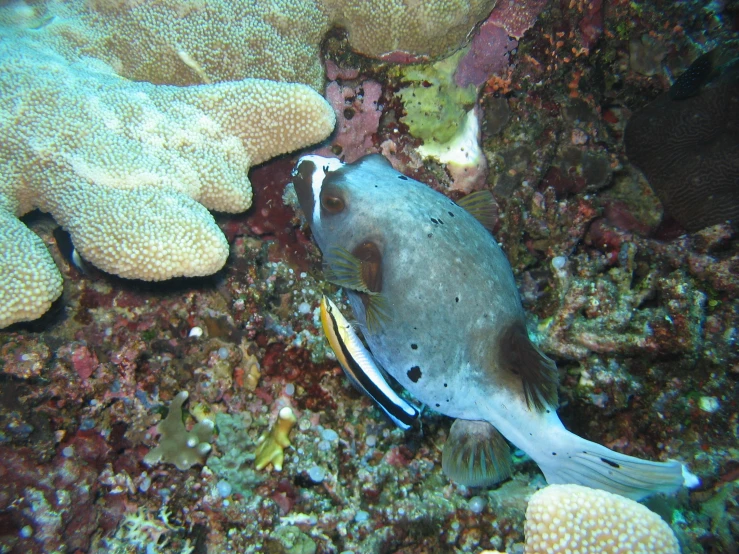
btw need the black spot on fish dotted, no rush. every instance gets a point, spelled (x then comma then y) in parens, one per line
(414, 346)
(437, 404)
(554, 453)
(446, 385)
(414, 373)
(403, 177)
(456, 298)
(610, 463)
(451, 214)
(434, 221)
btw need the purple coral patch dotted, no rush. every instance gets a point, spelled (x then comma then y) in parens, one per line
(488, 55)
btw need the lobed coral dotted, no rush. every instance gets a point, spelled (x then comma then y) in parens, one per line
(429, 29)
(24, 259)
(128, 165)
(130, 168)
(687, 148)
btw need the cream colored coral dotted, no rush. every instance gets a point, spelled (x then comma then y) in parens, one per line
(130, 168)
(574, 519)
(197, 41)
(29, 280)
(430, 28)
(184, 42)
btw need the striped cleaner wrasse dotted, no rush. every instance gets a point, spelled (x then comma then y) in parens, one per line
(360, 368)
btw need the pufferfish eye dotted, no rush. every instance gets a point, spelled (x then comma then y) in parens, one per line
(332, 203)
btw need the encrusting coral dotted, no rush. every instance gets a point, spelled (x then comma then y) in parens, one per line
(271, 445)
(177, 445)
(128, 165)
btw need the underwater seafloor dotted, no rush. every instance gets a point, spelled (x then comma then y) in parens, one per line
(640, 316)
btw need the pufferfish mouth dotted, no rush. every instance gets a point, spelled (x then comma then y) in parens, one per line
(308, 177)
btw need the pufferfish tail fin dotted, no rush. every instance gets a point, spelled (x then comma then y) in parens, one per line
(580, 461)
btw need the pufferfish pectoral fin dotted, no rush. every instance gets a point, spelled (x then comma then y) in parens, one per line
(476, 454)
(361, 271)
(360, 367)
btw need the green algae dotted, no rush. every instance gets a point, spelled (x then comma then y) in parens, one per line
(435, 106)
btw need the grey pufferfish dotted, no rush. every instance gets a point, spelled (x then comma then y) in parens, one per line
(436, 302)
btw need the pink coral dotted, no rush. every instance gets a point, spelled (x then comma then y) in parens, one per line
(358, 117)
(488, 54)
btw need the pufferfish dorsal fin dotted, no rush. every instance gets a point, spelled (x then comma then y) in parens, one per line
(482, 206)
(538, 373)
(361, 271)
(475, 454)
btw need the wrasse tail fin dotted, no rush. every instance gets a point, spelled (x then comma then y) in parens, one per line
(577, 460)
(476, 454)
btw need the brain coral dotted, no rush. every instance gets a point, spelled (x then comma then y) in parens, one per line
(103, 128)
(689, 150)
